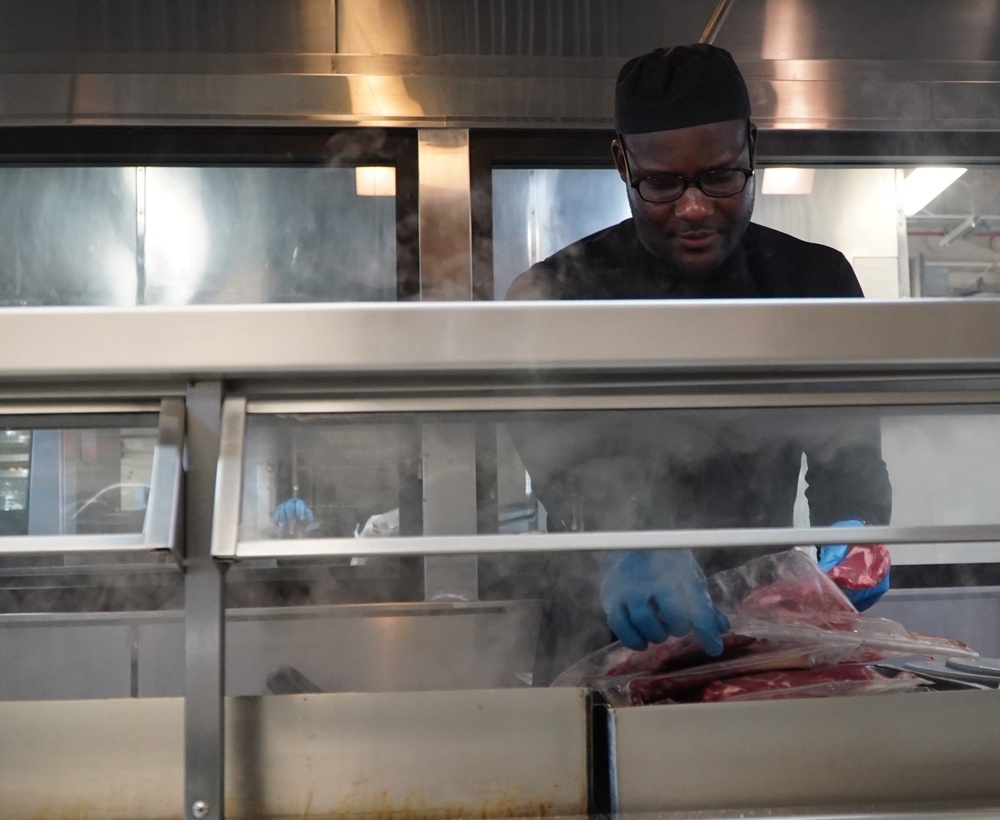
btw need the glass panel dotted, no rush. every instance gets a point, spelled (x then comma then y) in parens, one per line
(637, 469)
(249, 235)
(292, 623)
(67, 236)
(537, 211)
(942, 247)
(76, 480)
(346, 470)
(78, 236)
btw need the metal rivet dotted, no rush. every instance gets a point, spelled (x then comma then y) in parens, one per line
(199, 809)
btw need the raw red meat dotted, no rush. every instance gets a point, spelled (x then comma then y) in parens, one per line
(789, 596)
(670, 685)
(785, 679)
(864, 566)
(678, 653)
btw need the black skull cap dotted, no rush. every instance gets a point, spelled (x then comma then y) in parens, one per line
(679, 87)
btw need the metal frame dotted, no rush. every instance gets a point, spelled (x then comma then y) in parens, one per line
(229, 485)
(159, 529)
(204, 614)
(589, 541)
(503, 345)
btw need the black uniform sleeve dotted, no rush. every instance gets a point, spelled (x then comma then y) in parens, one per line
(534, 283)
(846, 475)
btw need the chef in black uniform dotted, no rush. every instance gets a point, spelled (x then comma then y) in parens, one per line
(685, 149)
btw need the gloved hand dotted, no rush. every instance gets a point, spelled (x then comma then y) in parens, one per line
(832, 555)
(292, 514)
(649, 595)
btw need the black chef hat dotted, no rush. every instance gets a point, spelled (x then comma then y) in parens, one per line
(679, 87)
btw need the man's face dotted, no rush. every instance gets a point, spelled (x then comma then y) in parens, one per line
(695, 233)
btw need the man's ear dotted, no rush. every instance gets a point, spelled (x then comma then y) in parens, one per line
(616, 152)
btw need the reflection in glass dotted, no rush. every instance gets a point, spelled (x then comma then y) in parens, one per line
(75, 481)
(252, 235)
(176, 236)
(67, 236)
(643, 469)
(345, 474)
(86, 480)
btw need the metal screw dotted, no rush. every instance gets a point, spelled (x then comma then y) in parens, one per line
(199, 809)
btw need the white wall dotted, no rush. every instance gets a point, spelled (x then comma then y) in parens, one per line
(851, 209)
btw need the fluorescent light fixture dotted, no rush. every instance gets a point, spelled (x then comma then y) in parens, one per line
(375, 180)
(923, 184)
(788, 181)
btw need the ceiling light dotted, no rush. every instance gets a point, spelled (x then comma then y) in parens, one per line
(788, 181)
(375, 180)
(924, 184)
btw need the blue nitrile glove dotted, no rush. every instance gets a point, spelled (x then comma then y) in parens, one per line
(832, 554)
(292, 511)
(649, 595)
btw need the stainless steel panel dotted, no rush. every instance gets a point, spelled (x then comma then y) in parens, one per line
(53, 660)
(422, 755)
(349, 648)
(854, 29)
(966, 105)
(221, 98)
(445, 215)
(93, 760)
(501, 753)
(440, 62)
(848, 754)
(184, 26)
(204, 618)
(42, 544)
(360, 648)
(638, 539)
(971, 614)
(383, 648)
(759, 337)
(704, 394)
(584, 28)
(843, 103)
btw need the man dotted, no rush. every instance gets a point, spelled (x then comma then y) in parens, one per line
(685, 148)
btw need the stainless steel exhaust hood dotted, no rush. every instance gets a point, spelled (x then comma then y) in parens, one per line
(498, 63)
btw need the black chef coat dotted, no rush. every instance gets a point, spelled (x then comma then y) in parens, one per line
(679, 469)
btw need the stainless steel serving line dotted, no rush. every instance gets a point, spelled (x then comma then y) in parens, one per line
(420, 705)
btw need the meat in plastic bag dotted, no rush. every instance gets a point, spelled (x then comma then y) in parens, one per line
(786, 616)
(831, 681)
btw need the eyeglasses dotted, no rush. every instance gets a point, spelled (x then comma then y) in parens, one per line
(663, 188)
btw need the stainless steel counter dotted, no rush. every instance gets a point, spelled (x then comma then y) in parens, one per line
(820, 755)
(485, 753)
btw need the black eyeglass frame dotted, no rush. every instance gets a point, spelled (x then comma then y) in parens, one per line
(687, 181)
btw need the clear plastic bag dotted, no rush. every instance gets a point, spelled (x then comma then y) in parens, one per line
(786, 615)
(828, 682)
